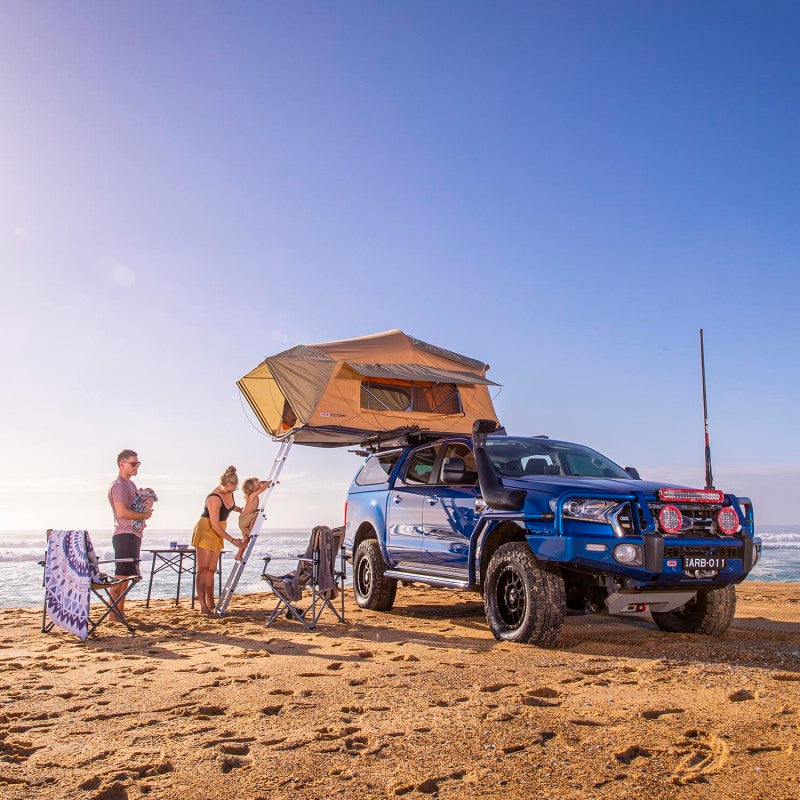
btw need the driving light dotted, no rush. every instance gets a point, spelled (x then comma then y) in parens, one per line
(628, 554)
(728, 521)
(691, 495)
(670, 519)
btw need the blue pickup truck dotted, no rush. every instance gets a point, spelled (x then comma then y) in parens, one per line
(543, 528)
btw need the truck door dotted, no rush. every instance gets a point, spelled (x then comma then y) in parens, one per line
(448, 515)
(405, 508)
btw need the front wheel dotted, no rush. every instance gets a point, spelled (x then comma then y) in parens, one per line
(524, 599)
(709, 612)
(372, 589)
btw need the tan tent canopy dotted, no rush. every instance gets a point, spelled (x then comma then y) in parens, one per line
(340, 393)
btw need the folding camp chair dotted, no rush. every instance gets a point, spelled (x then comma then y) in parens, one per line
(71, 575)
(321, 569)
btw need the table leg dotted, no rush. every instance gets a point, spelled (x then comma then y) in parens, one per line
(150, 585)
(180, 572)
(194, 576)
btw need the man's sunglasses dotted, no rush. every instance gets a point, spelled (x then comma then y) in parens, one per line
(133, 463)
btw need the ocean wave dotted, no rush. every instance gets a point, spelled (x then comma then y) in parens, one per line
(284, 550)
(779, 546)
(20, 558)
(20, 544)
(782, 539)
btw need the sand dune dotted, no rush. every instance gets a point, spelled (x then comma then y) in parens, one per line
(421, 701)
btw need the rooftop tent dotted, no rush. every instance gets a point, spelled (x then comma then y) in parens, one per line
(339, 393)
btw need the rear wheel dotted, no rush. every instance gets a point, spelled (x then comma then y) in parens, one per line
(710, 612)
(524, 598)
(372, 589)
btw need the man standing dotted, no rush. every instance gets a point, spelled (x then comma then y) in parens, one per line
(127, 540)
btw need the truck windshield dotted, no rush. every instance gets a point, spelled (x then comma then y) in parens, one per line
(517, 457)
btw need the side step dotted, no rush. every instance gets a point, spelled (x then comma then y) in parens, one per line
(432, 580)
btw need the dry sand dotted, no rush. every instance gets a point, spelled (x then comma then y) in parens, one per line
(421, 701)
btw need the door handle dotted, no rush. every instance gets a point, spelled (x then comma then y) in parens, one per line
(397, 498)
(432, 501)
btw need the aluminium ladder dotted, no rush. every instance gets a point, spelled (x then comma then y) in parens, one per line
(238, 566)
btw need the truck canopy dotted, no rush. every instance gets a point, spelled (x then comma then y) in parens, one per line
(340, 393)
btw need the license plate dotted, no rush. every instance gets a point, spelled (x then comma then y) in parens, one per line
(704, 562)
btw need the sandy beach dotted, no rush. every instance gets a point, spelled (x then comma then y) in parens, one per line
(421, 701)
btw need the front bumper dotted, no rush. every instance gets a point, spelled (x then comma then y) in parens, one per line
(589, 546)
(663, 562)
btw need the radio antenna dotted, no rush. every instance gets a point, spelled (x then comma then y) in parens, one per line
(709, 476)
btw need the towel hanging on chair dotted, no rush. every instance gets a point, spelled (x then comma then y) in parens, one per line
(69, 565)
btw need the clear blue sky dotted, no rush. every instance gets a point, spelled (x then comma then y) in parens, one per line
(566, 190)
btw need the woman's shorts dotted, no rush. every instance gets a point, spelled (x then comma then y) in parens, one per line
(205, 537)
(127, 545)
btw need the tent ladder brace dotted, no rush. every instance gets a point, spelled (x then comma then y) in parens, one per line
(238, 566)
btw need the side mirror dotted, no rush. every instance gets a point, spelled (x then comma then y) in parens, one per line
(454, 470)
(633, 472)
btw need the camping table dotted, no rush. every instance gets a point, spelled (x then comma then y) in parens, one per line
(171, 558)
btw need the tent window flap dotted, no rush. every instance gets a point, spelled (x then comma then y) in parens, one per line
(431, 398)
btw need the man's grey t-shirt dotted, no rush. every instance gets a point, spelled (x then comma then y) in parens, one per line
(123, 491)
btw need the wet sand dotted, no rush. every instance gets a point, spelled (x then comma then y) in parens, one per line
(418, 702)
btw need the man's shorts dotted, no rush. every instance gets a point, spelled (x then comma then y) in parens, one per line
(127, 545)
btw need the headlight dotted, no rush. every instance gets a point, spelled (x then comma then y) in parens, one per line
(589, 510)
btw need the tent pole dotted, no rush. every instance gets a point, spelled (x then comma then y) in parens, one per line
(238, 566)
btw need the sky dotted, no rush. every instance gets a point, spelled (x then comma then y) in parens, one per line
(568, 191)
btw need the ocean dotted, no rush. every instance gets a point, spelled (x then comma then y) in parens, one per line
(21, 575)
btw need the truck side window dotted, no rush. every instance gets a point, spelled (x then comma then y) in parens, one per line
(377, 469)
(421, 466)
(461, 451)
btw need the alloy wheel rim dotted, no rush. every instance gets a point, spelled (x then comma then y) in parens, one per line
(364, 576)
(511, 597)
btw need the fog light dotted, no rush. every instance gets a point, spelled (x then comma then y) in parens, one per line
(728, 521)
(628, 554)
(670, 519)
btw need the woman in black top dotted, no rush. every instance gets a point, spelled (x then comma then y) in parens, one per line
(210, 535)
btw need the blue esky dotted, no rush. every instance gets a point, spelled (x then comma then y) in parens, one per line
(566, 190)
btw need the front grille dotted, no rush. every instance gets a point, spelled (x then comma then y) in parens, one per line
(717, 552)
(624, 520)
(698, 519)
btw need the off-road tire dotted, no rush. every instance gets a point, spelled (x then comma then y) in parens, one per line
(525, 600)
(710, 612)
(370, 587)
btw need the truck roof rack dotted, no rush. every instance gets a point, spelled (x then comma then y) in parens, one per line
(403, 437)
(408, 437)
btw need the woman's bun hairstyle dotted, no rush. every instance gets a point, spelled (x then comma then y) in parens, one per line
(229, 475)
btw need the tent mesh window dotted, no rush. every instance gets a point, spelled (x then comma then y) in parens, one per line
(431, 398)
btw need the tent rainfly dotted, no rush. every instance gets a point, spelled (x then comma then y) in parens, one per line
(341, 393)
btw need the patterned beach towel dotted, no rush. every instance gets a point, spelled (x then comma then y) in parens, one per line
(69, 567)
(142, 502)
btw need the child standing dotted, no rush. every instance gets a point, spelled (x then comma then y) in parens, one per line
(252, 488)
